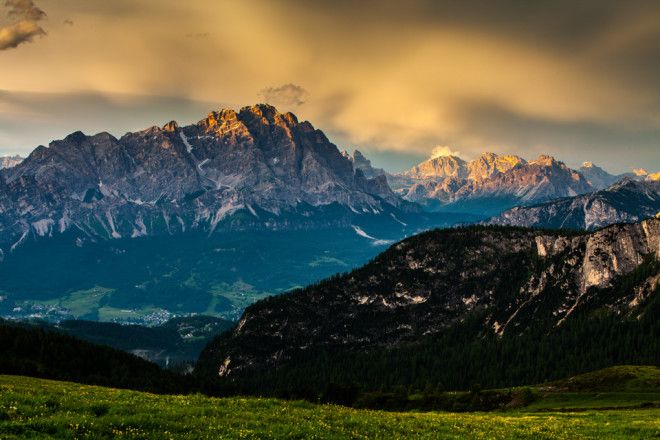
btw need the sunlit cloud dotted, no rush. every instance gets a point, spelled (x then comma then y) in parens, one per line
(441, 151)
(24, 30)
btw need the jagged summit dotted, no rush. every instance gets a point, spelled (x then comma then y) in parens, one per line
(171, 126)
(488, 164)
(439, 167)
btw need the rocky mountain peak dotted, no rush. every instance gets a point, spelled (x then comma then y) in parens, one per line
(439, 167)
(488, 164)
(545, 160)
(171, 126)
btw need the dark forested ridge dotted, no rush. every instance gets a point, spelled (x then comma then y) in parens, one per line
(39, 352)
(455, 309)
(174, 344)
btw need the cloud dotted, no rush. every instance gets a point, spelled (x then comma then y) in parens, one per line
(25, 9)
(287, 95)
(22, 32)
(198, 35)
(441, 150)
(25, 30)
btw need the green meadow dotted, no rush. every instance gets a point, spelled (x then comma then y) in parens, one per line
(38, 408)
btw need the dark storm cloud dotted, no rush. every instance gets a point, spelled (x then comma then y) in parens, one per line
(603, 31)
(573, 141)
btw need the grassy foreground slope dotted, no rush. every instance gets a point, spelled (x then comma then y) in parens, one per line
(37, 408)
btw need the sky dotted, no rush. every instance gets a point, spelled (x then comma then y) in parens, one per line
(396, 79)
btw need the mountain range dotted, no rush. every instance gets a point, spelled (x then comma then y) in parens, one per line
(496, 286)
(205, 218)
(209, 217)
(491, 183)
(249, 170)
(624, 201)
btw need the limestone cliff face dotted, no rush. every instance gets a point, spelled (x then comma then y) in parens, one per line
(583, 263)
(515, 279)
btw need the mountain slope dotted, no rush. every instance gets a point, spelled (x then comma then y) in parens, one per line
(625, 201)
(597, 177)
(505, 282)
(264, 165)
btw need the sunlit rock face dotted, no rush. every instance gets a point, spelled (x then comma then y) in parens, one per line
(625, 201)
(513, 279)
(489, 164)
(9, 161)
(488, 184)
(439, 167)
(257, 162)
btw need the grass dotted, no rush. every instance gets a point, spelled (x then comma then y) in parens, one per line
(36, 408)
(618, 378)
(623, 386)
(81, 302)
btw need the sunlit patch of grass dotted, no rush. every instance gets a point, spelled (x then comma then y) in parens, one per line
(81, 302)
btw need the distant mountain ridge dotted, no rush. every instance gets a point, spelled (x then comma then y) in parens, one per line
(625, 201)
(488, 184)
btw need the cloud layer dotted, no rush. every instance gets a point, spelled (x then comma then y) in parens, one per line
(576, 80)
